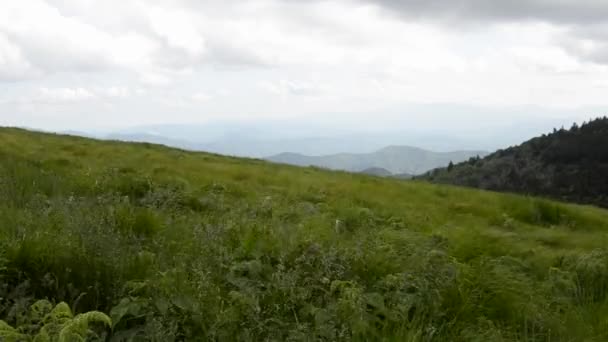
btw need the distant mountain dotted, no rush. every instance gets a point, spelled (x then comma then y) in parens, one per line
(570, 165)
(402, 176)
(381, 172)
(267, 137)
(394, 159)
(377, 171)
(260, 142)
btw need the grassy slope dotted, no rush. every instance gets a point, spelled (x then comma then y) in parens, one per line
(189, 245)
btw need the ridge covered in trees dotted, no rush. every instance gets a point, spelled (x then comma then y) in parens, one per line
(567, 164)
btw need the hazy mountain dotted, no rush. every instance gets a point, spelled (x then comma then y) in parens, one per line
(569, 165)
(266, 137)
(402, 176)
(377, 171)
(259, 142)
(395, 159)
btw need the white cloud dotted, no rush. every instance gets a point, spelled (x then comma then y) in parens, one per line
(290, 87)
(201, 97)
(178, 28)
(13, 65)
(72, 95)
(117, 92)
(63, 95)
(161, 60)
(51, 41)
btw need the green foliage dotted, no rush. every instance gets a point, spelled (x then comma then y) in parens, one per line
(183, 246)
(538, 211)
(10, 334)
(43, 323)
(590, 276)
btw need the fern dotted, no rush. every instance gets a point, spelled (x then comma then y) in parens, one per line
(42, 336)
(56, 324)
(40, 309)
(61, 313)
(10, 334)
(77, 329)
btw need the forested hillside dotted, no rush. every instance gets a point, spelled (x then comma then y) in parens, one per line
(569, 165)
(112, 241)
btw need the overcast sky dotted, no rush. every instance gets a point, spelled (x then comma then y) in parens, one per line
(85, 64)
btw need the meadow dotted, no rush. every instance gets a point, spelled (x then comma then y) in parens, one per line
(113, 241)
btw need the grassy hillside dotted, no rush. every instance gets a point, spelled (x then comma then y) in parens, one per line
(569, 165)
(176, 245)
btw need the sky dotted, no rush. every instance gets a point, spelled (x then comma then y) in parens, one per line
(364, 64)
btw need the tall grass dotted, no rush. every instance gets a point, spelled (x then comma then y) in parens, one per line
(174, 245)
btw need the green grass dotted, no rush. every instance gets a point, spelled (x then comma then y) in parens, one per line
(177, 245)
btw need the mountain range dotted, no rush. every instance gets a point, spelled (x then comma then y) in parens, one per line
(394, 160)
(397, 161)
(267, 137)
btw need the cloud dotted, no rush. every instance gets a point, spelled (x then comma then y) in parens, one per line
(74, 95)
(587, 43)
(178, 29)
(293, 88)
(161, 41)
(583, 31)
(51, 42)
(63, 95)
(117, 92)
(136, 61)
(201, 97)
(552, 11)
(13, 65)
(39, 38)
